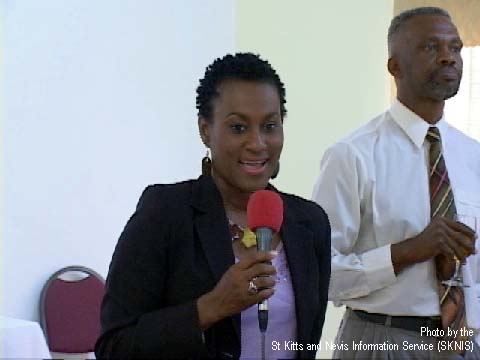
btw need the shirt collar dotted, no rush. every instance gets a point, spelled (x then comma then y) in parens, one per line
(413, 125)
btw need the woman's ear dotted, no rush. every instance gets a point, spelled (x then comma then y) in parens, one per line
(204, 130)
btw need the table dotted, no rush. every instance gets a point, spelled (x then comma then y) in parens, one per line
(22, 339)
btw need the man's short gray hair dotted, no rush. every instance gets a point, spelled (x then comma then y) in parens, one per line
(399, 20)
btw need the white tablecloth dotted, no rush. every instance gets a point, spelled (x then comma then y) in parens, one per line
(22, 339)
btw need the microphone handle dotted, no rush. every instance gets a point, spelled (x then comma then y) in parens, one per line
(264, 239)
(264, 243)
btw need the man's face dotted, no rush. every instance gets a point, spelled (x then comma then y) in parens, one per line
(427, 50)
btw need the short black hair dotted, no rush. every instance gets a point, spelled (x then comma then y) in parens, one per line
(240, 66)
(399, 20)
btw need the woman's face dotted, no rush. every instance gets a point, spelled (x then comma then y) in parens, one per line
(245, 135)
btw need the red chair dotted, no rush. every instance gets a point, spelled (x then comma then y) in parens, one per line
(70, 310)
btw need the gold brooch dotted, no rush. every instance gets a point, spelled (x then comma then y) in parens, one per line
(249, 238)
(245, 235)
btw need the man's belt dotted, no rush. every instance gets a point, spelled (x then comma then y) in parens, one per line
(411, 323)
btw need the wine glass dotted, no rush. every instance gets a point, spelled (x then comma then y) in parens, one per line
(457, 278)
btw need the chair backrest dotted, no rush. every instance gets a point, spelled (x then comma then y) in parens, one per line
(70, 309)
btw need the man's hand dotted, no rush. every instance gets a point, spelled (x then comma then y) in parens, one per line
(442, 238)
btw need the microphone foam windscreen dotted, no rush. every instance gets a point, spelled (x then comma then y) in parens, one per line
(265, 209)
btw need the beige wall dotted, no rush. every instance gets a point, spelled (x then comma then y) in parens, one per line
(331, 56)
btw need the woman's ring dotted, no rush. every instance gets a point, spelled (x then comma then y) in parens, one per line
(252, 288)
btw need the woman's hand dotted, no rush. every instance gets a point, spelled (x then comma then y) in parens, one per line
(231, 295)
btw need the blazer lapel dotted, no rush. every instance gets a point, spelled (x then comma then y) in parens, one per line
(299, 249)
(211, 226)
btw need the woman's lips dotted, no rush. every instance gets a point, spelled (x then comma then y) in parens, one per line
(253, 167)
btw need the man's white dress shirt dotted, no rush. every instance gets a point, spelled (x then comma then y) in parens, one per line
(374, 187)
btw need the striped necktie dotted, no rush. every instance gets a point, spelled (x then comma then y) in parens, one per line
(452, 300)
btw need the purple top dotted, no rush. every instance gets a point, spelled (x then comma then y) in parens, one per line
(282, 321)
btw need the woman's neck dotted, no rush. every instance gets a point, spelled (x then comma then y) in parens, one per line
(234, 201)
(236, 209)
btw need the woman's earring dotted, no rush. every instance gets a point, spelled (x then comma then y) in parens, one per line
(276, 171)
(207, 164)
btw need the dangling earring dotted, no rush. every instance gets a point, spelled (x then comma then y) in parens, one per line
(207, 164)
(276, 171)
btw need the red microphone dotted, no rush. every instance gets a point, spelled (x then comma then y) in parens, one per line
(265, 217)
(265, 209)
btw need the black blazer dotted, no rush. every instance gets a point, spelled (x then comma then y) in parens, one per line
(174, 249)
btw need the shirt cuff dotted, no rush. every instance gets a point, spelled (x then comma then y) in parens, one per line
(378, 267)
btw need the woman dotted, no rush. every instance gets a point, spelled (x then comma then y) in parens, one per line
(183, 278)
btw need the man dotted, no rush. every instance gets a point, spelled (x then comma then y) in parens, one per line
(387, 189)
